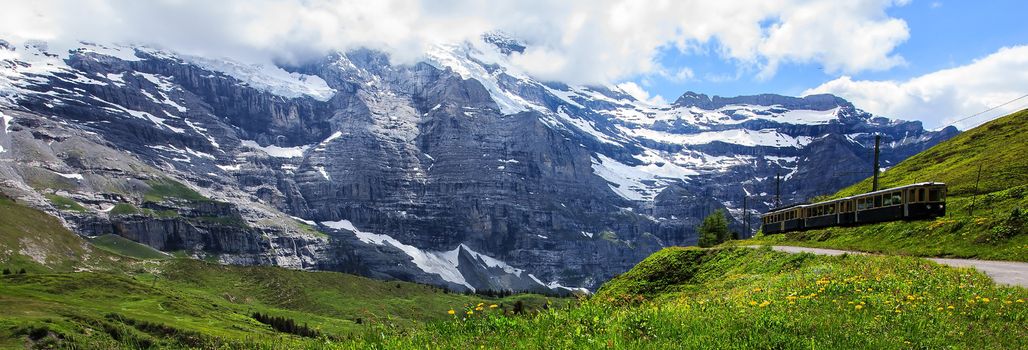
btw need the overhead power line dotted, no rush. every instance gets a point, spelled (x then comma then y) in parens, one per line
(985, 111)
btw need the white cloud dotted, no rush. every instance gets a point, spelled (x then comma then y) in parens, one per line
(636, 91)
(576, 41)
(942, 97)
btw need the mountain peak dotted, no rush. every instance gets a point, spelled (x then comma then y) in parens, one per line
(504, 42)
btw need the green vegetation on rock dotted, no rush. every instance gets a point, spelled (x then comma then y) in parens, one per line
(125, 247)
(167, 188)
(65, 203)
(124, 209)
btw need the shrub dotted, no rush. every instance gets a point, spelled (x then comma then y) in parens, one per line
(285, 325)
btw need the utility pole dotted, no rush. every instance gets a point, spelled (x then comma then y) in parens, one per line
(745, 215)
(778, 189)
(874, 184)
(970, 210)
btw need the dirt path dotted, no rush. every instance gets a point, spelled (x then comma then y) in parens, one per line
(1002, 272)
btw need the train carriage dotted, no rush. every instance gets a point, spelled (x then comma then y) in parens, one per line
(917, 201)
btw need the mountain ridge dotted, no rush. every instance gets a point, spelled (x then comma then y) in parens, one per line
(569, 184)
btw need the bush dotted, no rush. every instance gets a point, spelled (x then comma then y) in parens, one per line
(285, 325)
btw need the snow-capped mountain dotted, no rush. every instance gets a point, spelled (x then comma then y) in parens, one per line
(458, 171)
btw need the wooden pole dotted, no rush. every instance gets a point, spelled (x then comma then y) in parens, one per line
(778, 190)
(970, 210)
(874, 184)
(745, 216)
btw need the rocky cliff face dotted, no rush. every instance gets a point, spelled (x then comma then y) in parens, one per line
(458, 171)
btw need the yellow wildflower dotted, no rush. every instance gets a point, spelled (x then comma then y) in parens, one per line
(493, 306)
(757, 289)
(950, 307)
(910, 297)
(1020, 300)
(451, 312)
(765, 303)
(858, 307)
(478, 308)
(471, 312)
(753, 303)
(985, 300)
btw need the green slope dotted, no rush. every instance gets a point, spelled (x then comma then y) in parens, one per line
(738, 298)
(37, 242)
(123, 246)
(998, 228)
(110, 292)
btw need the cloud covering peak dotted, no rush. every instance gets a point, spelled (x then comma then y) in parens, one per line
(576, 41)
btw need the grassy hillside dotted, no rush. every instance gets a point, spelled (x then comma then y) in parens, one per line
(109, 292)
(686, 298)
(998, 228)
(37, 242)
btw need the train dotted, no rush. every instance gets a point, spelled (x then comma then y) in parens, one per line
(917, 201)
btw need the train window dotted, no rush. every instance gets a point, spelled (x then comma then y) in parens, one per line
(860, 204)
(887, 201)
(920, 195)
(897, 198)
(910, 195)
(934, 195)
(878, 201)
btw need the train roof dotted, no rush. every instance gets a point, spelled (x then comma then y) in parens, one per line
(855, 196)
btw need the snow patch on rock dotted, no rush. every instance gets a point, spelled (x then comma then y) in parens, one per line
(276, 151)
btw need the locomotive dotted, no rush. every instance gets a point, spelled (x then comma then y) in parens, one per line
(923, 200)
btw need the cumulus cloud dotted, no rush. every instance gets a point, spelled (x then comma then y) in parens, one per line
(636, 91)
(942, 97)
(577, 41)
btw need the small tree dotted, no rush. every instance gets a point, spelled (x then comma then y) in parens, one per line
(714, 229)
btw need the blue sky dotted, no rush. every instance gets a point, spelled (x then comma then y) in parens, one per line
(942, 35)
